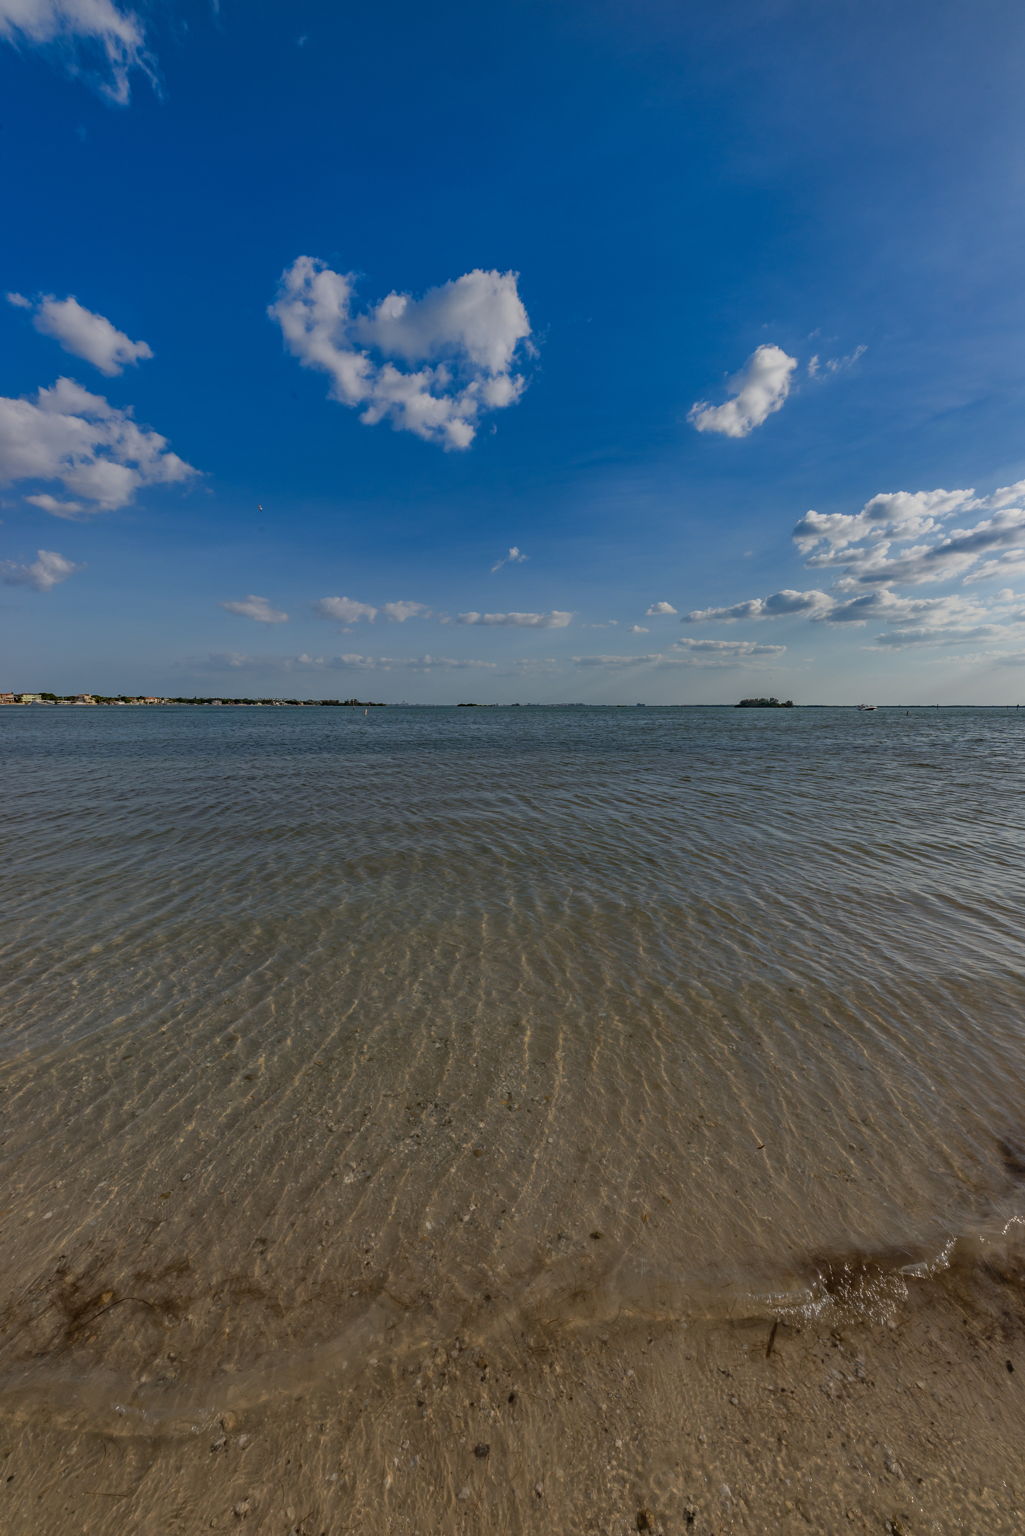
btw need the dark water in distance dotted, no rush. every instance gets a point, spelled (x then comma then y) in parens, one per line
(577, 1010)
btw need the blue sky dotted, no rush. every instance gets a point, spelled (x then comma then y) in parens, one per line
(630, 289)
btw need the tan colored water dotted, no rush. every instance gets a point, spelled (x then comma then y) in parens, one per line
(346, 1059)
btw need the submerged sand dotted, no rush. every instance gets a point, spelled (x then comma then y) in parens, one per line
(898, 1408)
(429, 1128)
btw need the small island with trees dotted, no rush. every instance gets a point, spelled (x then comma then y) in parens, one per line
(766, 704)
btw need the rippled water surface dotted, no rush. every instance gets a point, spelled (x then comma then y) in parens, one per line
(320, 1030)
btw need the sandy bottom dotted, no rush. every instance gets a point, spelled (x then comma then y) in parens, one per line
(899, 1408)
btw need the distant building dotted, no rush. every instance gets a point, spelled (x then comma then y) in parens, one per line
(83, 698)
(6, 698)
(30, 698)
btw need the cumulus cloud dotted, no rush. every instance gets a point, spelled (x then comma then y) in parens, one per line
(258, 608)
(399, 612)
(638, 629)
(901, 539)
(460, 343)
(862, 545)
(777, 606)
(892, 515)
(83, 333)
(84, 29)
(93, 449)
(556, 619)
(933, 613)
(513, 557)
(759, 389)
(347, 610)
(47, 570)
(658, 609)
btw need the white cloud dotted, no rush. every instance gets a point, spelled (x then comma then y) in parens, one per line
(18, 299)
(346, 610)
(760, 388)
(83, 333)
(690, 653)
(658, 608)
(87, 26)
(638, 629)
(90, 447)
(461, 343)
(56, 508)
(399, 612)
(1000, 568)
(778, 605)
(941, 560)
(726, 650)
(892, 515)
(617, 661)
(426, 663)
(871, 554)
(934, 613)
(514, 557)
(834, 365)
(46, 571)
(258, 608)
(556, 619)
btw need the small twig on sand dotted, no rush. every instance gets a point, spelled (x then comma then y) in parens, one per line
(772, 1337)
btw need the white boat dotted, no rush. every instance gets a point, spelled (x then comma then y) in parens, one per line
(866, 706)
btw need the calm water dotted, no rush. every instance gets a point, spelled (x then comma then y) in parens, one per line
(320, 1031)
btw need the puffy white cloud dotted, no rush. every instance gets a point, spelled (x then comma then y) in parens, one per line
(90, 447)
(258, 608)
(948, 557)
(346, 610)
(1000, 567)
(45, 571)
(923, 612)
(460, 343)
(513, 557)
(90, 27)
(656, 609)
(777, 606)
(759, 389)
(556, 619)
(83, 333)
(638, 629)
(892, 515)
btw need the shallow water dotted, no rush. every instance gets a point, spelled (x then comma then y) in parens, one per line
(324, 1034)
